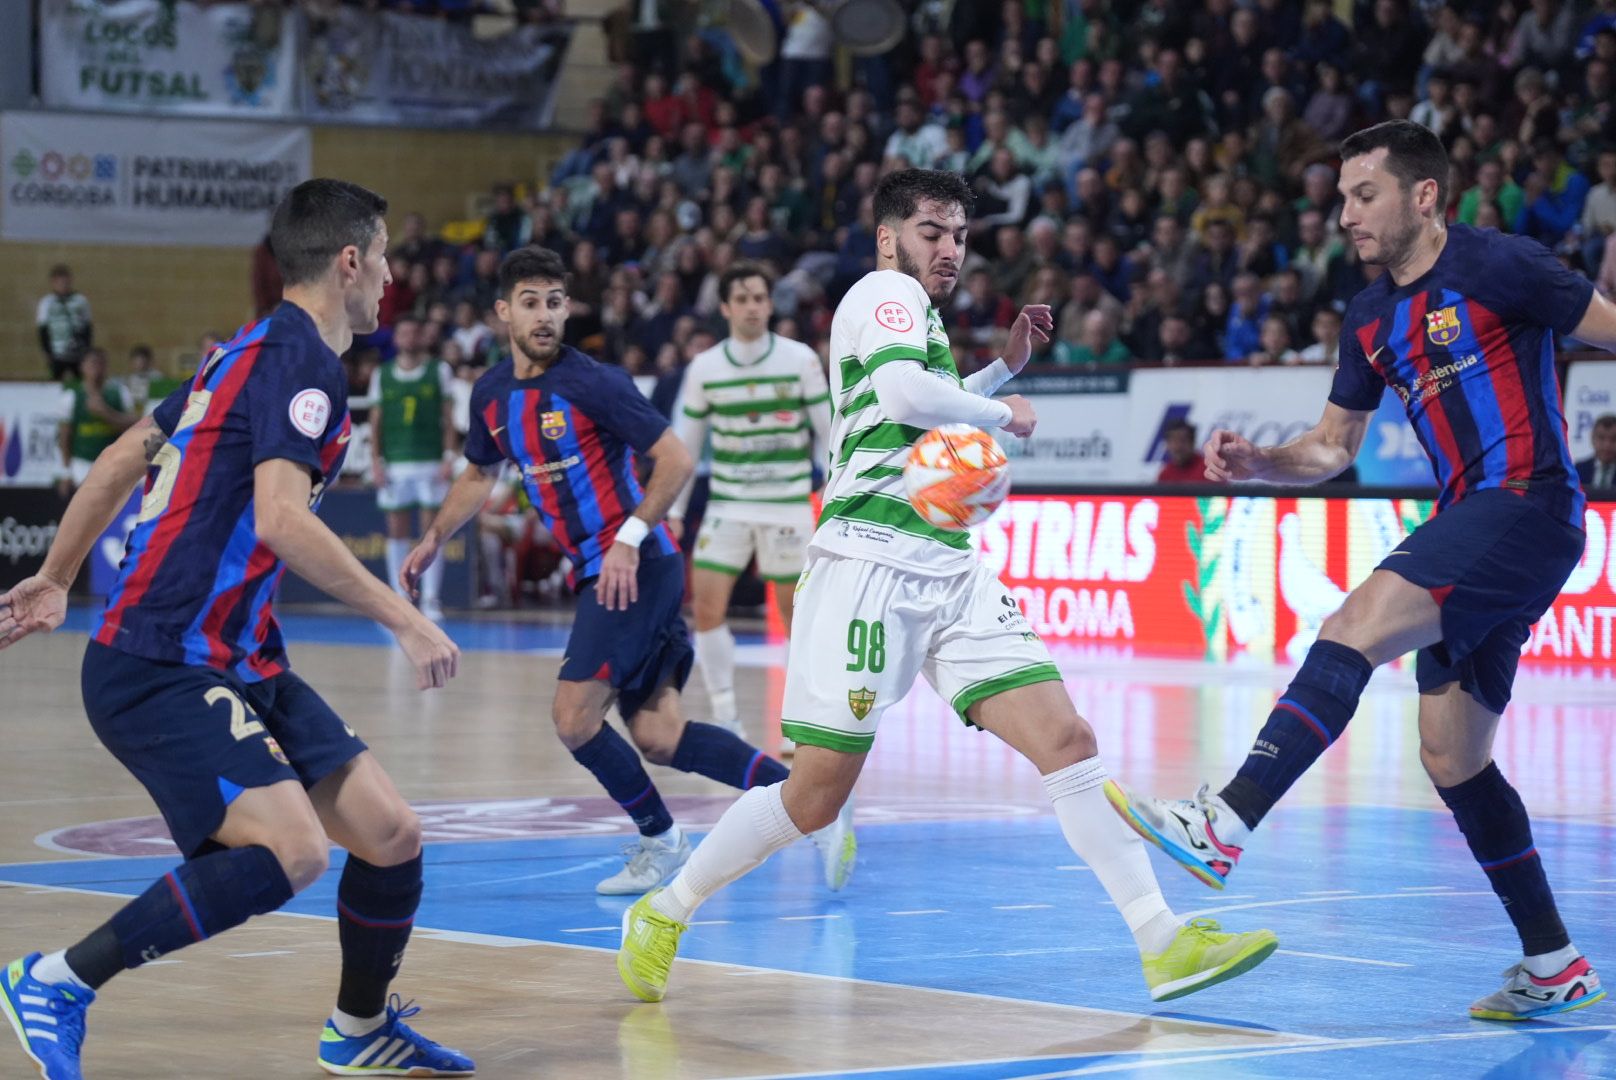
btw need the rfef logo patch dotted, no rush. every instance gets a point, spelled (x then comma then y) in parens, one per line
(553, 425)
(310, 411)
(894, 316)
(1442, 325)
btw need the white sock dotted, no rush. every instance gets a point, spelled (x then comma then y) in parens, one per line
(1543, 965)
(356, 1026)
(671, 838)
(431, 581)
(754, 827)
(715, 652)
(397, 552)
(53, 971)
(1113, 851)
(1226, 824)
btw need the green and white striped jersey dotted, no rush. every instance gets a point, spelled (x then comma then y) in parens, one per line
(886, 317)
(764, 405)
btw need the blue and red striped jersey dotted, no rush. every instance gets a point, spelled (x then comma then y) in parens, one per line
(196, 585)
(573, 431)
(1469, 348)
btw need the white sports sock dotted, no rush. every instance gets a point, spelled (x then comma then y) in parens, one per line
(1226, 824)
(669, 838)
(1543, 965)
(53, 971)
(356, 1027)
(431, 580)
(754, 827)
(715, 652)
(1113, 851)
(397, 552)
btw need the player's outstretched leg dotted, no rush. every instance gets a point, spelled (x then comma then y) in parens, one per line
(1456, 737)
(377, 897)
(758, 824)
(1178, 958)
(45, 997)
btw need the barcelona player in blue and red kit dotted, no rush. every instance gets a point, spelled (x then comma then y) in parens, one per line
(186, 678)
(1461, 327)
(574, 427)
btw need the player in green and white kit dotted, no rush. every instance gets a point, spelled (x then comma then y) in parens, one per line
(413, 450)
(886, 597)
(765, 400)
(99, 413)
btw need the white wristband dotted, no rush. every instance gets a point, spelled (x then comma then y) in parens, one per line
(632, 532)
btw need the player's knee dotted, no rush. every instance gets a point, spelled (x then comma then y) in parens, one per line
(398, 838)
(657, 742)
(1450, 766)
(575, 725)
(812, 806)
(303, 855)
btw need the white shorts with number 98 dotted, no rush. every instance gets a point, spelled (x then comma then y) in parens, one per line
(863, 631)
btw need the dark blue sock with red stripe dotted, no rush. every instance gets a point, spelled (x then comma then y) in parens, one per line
(190, 903)
(710, 751)
(375, 913)
(616, 765)
(1312, 714)
(1494, 823)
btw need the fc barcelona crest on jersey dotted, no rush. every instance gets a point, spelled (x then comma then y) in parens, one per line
(1442, 325)
(553, 425)
(860, 701)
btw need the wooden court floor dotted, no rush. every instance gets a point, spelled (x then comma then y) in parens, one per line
(968, 945)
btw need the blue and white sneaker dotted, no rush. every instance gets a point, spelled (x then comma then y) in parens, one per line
(48, 1019)
(391, 1050)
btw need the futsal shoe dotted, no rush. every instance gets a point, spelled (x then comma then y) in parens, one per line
(1526, 997)
(47, 1017)
(650, 942)
(393, 1049)
(838, 848)
(1180, 827)
(1202, 956)
(650, 863)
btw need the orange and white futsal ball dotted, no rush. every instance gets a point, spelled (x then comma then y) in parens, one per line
(956, 476)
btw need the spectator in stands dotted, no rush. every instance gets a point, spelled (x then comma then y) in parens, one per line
(1544, 36)
(508, 226)
(1494, 186)
(1326, 330)
(471, 334)
(1183, 464)
(1097, 343)
(1599, 214)
(1598, 471)
(100, 412)
(1217, 261)
(63, 318)
(1554, 195)
(1176, 343)
(1329, 110)
(1242, 336)
(1274, 344)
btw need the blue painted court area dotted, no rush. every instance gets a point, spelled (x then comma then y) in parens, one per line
(1387, 932)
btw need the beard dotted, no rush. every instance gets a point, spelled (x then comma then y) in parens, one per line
(911, 266)
(1399, 242)
(535, 355)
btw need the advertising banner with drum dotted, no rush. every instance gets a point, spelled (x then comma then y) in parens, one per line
(106, 180)
(374, 67)
(1221, 578)
(161, 57)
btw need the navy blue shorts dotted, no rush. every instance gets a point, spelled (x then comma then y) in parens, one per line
(637, 650)
(1494, 562)
(197, 737)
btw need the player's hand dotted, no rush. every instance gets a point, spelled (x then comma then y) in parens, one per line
(676, 525)
(1231, 457)
(1035, 323)
(34, 605)
(1022, 418)
(435, 658)
(415, 564)
(618, 585)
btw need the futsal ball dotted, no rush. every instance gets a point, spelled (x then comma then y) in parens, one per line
(956, 476)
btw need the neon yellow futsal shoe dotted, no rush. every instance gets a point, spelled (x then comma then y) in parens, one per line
(650, 942)
(1202, 956)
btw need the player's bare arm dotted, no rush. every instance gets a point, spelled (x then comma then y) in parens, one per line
(671, 468)
(466, 498)
(1323, 451)
(1598, 325)
(40, 602)
(1035, 323)
(281, 494)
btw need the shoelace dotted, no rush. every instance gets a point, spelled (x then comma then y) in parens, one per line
(1205, 928)
(660, 947)
(399, 1010)
(70, 1031)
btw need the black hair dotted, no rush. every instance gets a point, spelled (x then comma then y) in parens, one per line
(899, 194)
(531, 263)
(1178, 425)
(316, 220)
(741, 270)
(1413, 153)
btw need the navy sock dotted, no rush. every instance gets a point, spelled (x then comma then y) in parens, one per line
(375, 913)
(1310, 716)
(190, 903)
(709, 750)
(1494, 822)
(615, 764)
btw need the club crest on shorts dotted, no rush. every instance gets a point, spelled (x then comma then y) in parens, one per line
(275, 750)
(1442, 325)
(861, 702)
(553, 425)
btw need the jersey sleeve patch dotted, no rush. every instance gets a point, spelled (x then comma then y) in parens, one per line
(310, 411)
(894, 316)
